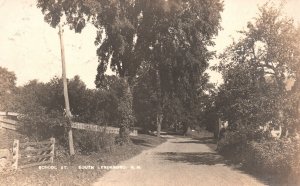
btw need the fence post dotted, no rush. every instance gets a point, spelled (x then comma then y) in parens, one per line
(52, 150)
(15, 154)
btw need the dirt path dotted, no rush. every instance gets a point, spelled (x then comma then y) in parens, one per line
(178, 162)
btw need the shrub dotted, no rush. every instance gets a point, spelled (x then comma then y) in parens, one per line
(235, 141)
(88, 141)
(41, 126)
(269, 156)
(276, 157)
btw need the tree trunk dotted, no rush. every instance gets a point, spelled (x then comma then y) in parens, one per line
(125, 109)
(159, 113)
(296, 90)
(159, 118)
(66, 96)
(217, 128)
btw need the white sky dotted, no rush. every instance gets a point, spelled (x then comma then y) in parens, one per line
(30, 47)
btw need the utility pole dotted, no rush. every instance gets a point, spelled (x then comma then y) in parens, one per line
(67, 104)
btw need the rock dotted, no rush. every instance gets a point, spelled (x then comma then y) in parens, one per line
(4, 159)
(4, 153)
(3, 163)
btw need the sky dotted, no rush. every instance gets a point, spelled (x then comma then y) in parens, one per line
(30, 47)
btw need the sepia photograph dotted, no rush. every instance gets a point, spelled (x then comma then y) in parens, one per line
(149, 93)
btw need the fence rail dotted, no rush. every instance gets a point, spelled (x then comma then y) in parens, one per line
(8, 113)
(97, 128)
(33, 153)
(7, 123)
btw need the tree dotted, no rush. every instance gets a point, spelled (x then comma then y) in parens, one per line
(39, 122)
(172, 36)
(7, 89)
(112, 17)
(255, 69)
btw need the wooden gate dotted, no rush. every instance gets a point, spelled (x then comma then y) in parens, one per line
(32, 153)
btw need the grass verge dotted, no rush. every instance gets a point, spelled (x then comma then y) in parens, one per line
(69, 173)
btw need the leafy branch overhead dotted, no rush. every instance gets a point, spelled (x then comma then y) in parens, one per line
(140, 30)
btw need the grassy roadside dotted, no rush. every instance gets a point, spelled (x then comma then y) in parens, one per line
(71, 174)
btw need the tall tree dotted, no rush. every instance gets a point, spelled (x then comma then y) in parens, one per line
(172, 36)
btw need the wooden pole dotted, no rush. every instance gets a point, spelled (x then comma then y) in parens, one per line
(15, 154)
(67, 104)
(52, 149)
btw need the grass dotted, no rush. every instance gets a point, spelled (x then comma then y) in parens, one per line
(75, 176)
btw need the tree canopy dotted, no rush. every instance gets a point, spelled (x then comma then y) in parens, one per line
(255, 69)
(171, 37)
(135, 28)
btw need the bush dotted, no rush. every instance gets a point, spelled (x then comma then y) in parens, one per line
(40, 126)
(268, 156)
(88, 141)
(235, 141)
(275, 157)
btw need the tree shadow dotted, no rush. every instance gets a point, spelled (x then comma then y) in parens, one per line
(194, 158)
(209, 158)
(141, 142)
(207, 140)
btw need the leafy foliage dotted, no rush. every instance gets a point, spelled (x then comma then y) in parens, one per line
(255, 69)
(277, 157)
(89, 141)
(42, 106)
(38, 122)
(169, 36)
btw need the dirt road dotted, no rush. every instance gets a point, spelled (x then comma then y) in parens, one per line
(178, 162)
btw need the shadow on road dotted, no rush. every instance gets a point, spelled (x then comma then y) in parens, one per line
(208, 141)
(195, 158)
(205, 140)
(209, 158)
(141, 142)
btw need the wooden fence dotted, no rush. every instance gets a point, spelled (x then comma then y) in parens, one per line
(33, 153)
(97, 128)
(8, 120)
